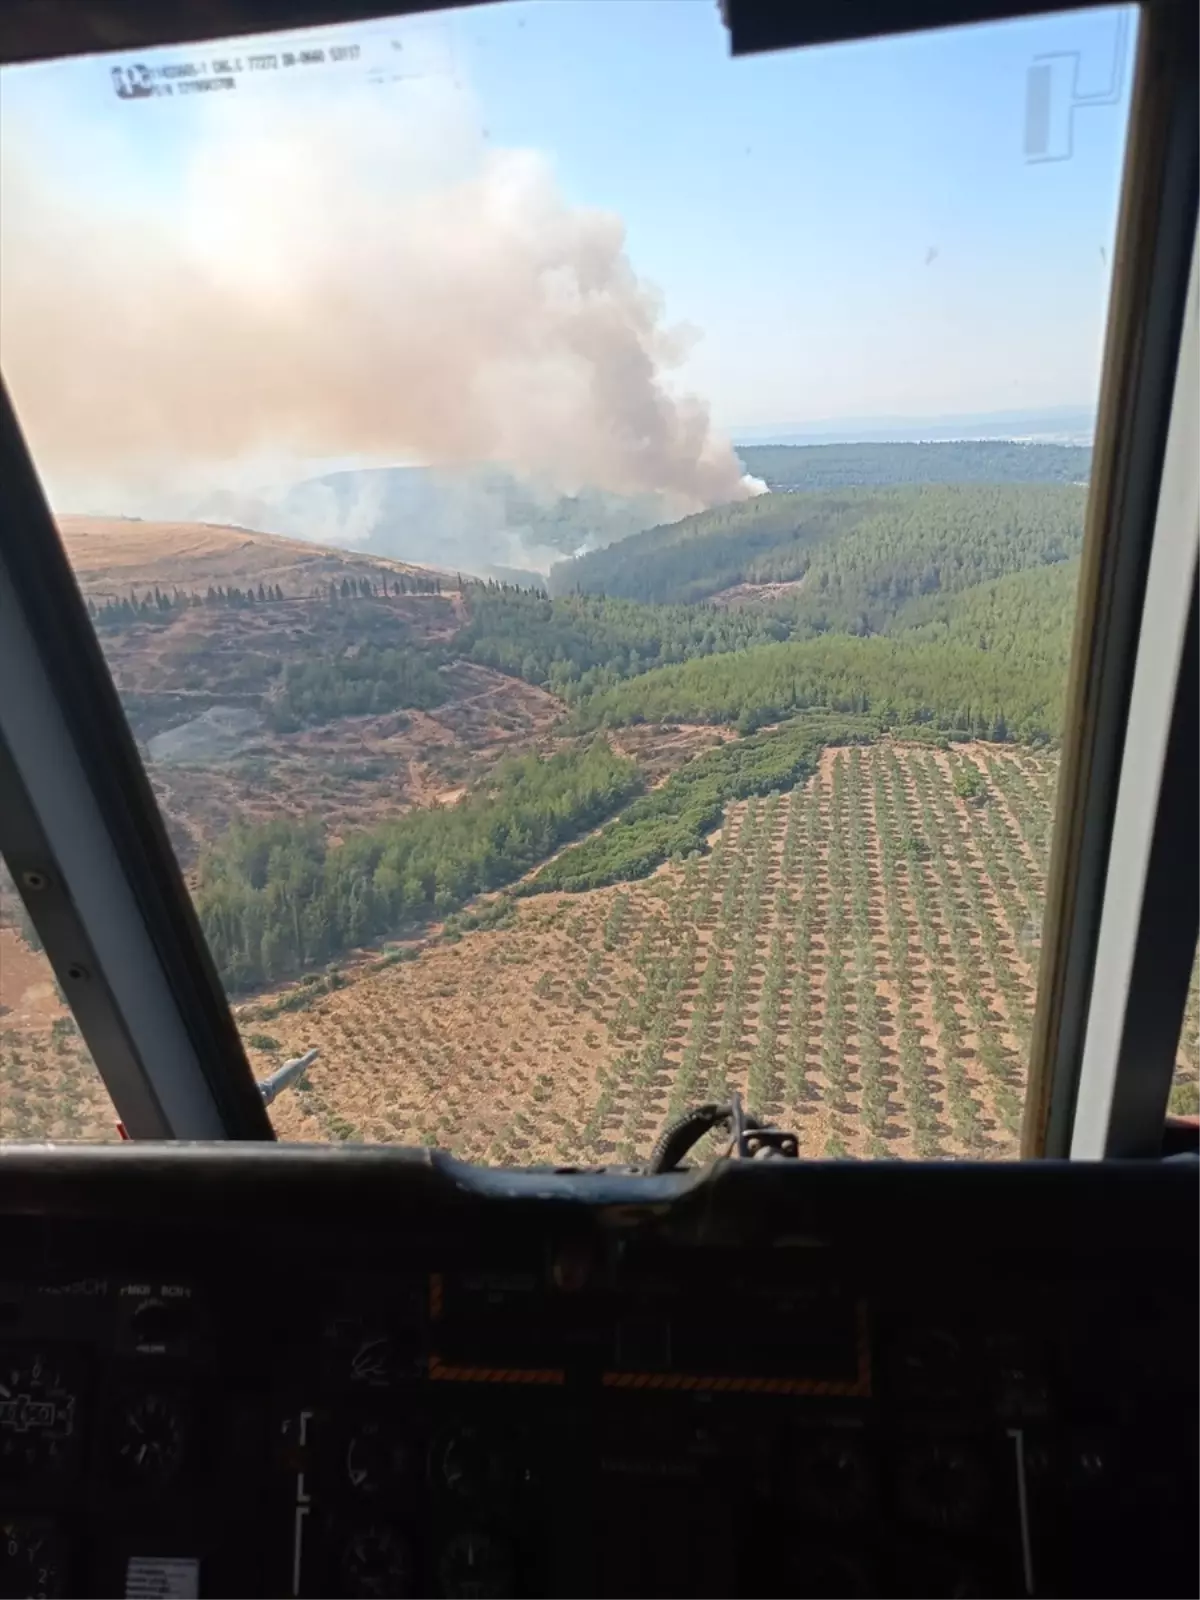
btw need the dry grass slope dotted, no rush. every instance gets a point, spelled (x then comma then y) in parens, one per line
(859, 958)
(111, 555)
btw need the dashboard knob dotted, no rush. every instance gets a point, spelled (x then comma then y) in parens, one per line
(158, 1325)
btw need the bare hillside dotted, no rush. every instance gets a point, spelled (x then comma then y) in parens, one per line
(111, 555)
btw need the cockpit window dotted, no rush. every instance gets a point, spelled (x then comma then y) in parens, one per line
(1185, 1091)
(49, 1086)
(586, 534)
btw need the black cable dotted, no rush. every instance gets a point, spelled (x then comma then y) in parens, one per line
(678, 1137)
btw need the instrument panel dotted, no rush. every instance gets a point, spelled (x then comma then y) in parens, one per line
(583, 1394)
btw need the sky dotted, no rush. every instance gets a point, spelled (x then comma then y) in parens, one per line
(849, 231)
(788, 203)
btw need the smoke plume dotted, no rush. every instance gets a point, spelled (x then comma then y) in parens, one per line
(308, 291)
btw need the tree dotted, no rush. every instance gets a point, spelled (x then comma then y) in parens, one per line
(968, 783)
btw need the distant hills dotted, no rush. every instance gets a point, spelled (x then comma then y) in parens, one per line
(1049, 425)
(852, 556)
(485, 521)
(480, 519)
(838, 466)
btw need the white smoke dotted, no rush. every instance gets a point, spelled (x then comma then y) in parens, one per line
(312, 291)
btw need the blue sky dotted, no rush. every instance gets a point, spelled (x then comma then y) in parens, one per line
(787, 203)
(849, 231)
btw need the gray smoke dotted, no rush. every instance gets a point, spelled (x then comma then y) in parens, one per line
(308, 296)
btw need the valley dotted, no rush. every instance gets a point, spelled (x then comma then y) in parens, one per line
(857, 957)
(759, 800)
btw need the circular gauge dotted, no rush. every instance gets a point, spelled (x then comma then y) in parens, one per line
(834, 1479)
(1020, 1389)
(377, 1561)
(942, 1484)
(31, 1561)
(374, 1360)
(930, 1365)
(377, 1463)
(37, 1415)
(151, 1438)
(475, 1566)
(947, 1576)
(467, 1464)
(829, 1573)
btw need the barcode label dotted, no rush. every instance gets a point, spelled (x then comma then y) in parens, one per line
(162, 1578)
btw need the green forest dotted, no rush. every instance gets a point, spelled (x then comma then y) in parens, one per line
(275, 898)
(371, 680)
(1030, 614)
(674, 820)
(576, 643)
(861, 553)
(843, 466)
(899, 682)
(940, 610)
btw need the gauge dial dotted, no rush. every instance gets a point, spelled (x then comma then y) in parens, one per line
(31, 1560)
(468, 1464)
(37, 1415)
(831, 1573)
(377, 1561)
(834, 1479)
(475, 1566)
(151, 1439)
(943, 1484)
(375, 1351)
(931, 1365)
(377, 1463)
(1020, 1388)
(374, 1361)
(940, 1573)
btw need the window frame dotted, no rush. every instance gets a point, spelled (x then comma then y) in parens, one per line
(152, 1009)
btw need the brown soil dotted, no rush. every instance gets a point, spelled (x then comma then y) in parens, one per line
(567, 1035)
(112, 554)
(536, 1042)
(349, 772)
(744, 596)
(28, 997)
(49, 1087)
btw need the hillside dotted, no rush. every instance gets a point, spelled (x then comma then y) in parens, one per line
(372, 693)
(855, 957)
(900, 682)
(536, 871)
(478, 518)
(1029, 613)
(350, 709)
(112, 555)
(843, 466)
(860, 553)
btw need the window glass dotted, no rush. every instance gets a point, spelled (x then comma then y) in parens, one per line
(49, 1086)
(1185, 1091)
(585, 531)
